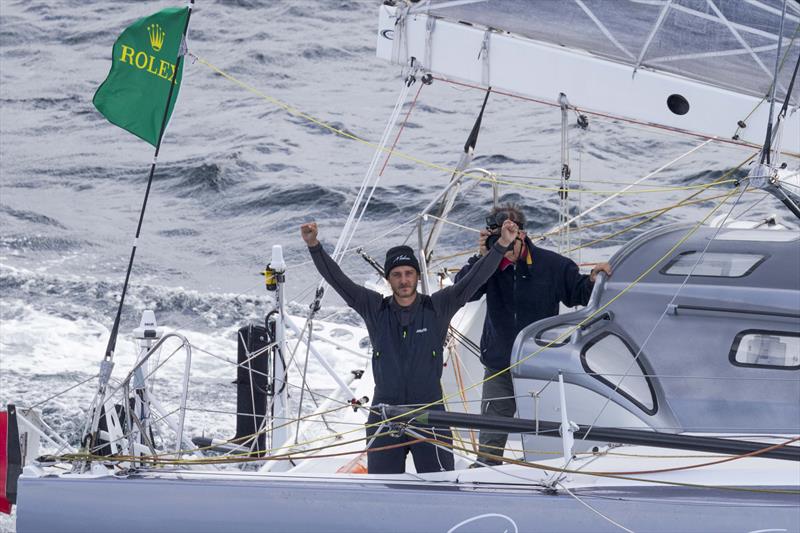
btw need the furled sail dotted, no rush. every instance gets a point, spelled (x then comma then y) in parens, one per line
(701, 66)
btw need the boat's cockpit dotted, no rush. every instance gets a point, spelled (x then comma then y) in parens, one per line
(696, 331)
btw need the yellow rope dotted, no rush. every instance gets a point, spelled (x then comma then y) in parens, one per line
(682, 203)
(524, 359)
(448, 170)
(620, 475)
(294, 111)
(570, 331)
(659, 211)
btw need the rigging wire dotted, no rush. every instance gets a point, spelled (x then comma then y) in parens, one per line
(600, 310)
(734, 142)
(569, 332)
(61, 393)
(392, 151)
(601, 515)
(686, 278)
(204, 350)
(474, 176)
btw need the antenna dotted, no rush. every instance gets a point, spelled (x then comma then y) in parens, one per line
(765, 175)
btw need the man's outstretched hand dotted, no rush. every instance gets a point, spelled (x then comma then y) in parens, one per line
(482, 241)
(508, 233)
(309, 233)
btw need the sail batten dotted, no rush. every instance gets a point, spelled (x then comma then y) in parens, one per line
(632, 59)
(643, 33)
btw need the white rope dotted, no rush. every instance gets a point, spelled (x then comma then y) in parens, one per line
(349, 229)
(456, 224)
(640, 180)
(656, 27)
(603, 29)
(453, 3)
(736, 25)
(744, 44)
(686, 278)
(595, 510)
(773, 10)
(719, 53)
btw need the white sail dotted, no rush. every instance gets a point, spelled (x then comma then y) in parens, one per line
(699, 66)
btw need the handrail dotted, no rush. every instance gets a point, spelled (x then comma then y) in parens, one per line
(186, 371)
(604, 316)
(433, 236)
(673, 309)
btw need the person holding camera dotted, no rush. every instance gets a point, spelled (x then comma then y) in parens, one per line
(407, 331)
(528, 285)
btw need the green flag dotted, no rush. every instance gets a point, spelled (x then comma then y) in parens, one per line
(142, 69)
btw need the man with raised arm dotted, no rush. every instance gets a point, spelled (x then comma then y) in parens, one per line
(407, 331)
(527, 286)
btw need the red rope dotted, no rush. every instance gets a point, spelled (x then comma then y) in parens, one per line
(604, 115)
(402, 126)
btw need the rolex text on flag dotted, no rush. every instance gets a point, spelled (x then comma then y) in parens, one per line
(145, 63)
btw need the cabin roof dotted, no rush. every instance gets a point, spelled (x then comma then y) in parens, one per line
(764, 258)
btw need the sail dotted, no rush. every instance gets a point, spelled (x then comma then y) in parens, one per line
(713, 57)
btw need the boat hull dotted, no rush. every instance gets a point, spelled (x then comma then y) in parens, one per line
(192, 504)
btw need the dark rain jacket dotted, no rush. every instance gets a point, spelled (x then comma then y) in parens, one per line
(522, 294)
(407, 342)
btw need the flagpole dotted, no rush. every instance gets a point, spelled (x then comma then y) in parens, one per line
(106, 365)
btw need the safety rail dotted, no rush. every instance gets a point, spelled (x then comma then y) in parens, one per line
(125, 387)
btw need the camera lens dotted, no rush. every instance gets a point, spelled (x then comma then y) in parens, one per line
(494, 222)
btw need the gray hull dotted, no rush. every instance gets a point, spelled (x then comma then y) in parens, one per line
(258, 505)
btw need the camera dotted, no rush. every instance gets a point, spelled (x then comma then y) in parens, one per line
(491, 239)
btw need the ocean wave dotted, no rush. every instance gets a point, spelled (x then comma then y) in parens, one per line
(432, 109)
(76, 298)
(179, 232)
(710, 175)
(317, 52)
(51, 103)
(79, 175)
(500, 159)
(268, 198)
(204, 178)
(17, 31)
(31, 216)
(39, 243)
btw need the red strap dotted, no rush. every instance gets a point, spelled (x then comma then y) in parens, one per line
(5, 505)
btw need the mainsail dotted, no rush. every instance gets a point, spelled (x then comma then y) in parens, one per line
(700, 66)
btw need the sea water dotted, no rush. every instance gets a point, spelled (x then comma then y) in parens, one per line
(238, 174)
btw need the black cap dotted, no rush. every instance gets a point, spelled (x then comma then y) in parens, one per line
(400, 256)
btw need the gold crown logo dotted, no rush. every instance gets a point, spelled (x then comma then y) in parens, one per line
(156, 36)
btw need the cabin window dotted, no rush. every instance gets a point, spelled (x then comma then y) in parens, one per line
(610, 360)
(766, 349)
(548, 336)
(716, 264)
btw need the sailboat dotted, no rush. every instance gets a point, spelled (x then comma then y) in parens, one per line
(668, 403)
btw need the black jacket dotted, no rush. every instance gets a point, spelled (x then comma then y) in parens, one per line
(522, 294)
(407, 342)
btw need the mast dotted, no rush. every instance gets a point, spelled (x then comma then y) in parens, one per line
(765, 174)
(107, 365)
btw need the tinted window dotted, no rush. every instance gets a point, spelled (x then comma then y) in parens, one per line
(718, 264)
(769, 349)
(612, 362)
